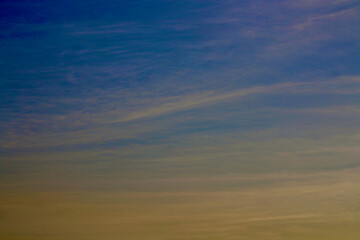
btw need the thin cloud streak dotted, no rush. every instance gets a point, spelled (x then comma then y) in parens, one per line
(210, 98)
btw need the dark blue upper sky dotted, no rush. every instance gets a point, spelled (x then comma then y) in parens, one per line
(94, 75)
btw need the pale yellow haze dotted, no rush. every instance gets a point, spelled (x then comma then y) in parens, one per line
(309, 206)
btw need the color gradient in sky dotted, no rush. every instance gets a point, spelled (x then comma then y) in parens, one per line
(180, 120)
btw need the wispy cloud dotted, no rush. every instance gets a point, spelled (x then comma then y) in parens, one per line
(96, 119)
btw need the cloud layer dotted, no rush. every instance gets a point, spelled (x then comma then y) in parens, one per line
(180, 119)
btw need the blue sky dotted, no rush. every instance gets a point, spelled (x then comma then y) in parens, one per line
(207, 98)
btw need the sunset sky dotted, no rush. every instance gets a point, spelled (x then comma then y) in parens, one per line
(180, 120)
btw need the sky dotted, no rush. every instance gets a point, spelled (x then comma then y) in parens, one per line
(179, 120)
